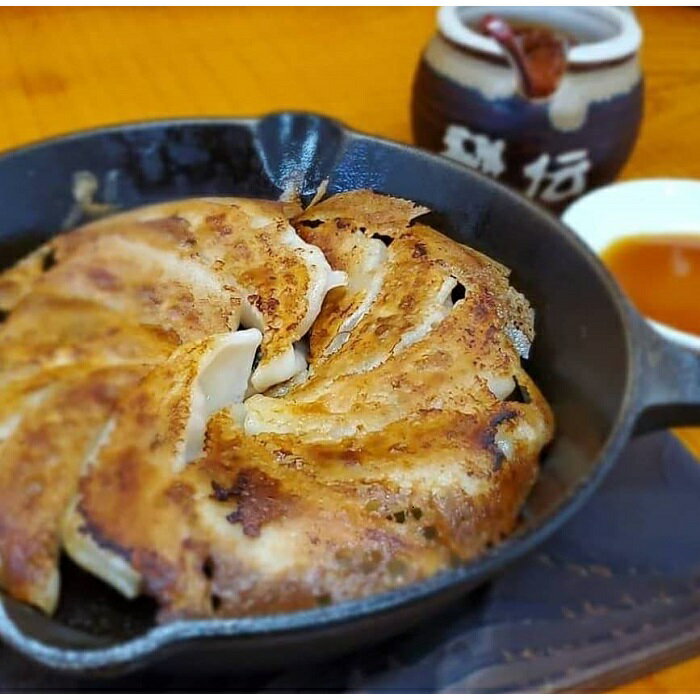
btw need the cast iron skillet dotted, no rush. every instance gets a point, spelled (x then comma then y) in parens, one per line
(604, 370)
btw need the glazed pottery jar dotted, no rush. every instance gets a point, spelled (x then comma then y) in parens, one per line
(472, 102)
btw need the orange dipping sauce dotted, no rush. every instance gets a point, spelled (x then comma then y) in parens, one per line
(661, 274)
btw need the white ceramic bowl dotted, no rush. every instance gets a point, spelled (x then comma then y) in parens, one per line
(659, 206)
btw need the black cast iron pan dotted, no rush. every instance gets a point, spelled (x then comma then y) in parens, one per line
(604, 370)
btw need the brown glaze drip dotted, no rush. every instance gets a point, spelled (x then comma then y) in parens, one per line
(537, 52)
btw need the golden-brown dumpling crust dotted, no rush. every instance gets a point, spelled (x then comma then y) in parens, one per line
(39, 469)
(408, 443)
(280, 278)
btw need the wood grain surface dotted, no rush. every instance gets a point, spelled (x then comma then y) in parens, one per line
(63, 69)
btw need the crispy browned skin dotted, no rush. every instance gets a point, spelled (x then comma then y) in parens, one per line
(240, 532)
(439, 469)
(133, 496)
(460, 359)
(282, 280)
(410, 442)
(39, 468)
(352, 229)
(154, 287)
(50, 332)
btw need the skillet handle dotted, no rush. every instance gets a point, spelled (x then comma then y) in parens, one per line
(668, 375)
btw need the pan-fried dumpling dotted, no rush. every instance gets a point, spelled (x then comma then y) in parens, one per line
(281, 279)
(51, 333)
(131, 483)
(153, 286)
(281, 538)
(238, 532)
(461, 475)
(415, 349)
(40, 461)
(353, 229)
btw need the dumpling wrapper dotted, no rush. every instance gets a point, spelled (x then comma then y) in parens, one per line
(463, 474)
(47, 333)
(281, 279)
(157, 428)
(413, 350)
(354, 230)
(239, 532)
(145, 281)
(40, 461)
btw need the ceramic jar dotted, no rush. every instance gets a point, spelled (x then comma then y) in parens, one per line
(468, 103)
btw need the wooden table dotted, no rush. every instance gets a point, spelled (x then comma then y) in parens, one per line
(65, 69)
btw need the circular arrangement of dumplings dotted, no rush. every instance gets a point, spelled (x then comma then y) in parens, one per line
(238, 407)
